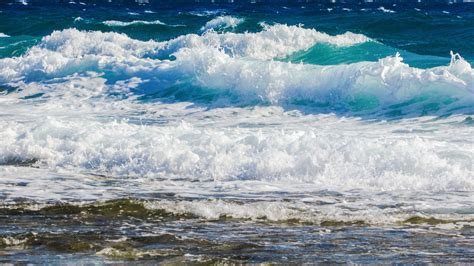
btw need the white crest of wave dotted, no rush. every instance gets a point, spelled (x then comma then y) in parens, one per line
(351, 211)
(206, 13)
(222, 22)
(385, 10)
(116, 23)
(273, 42)
(324, 158)
(389, 80)
(3, 35)
(235, 70)
(70, 51)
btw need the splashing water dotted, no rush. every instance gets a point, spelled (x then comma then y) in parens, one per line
(242, 125)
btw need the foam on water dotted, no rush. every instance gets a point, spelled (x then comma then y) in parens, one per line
(213, 130)
(388, 81)
(116, 23)
(3, 35)
(385, 10)
(229, 65)
(217, 109)
(221, 23)
(323, 157)
(205, 13)
(249, 200)
(309, 212)
(273, 42)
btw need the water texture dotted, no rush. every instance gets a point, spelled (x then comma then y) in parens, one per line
(236, 132)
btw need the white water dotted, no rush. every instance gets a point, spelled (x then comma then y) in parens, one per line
(92, 139)
(201, 62)
(116, 23)
(222, 22)
(385, 10)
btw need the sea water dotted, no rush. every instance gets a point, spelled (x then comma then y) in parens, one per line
(235, 133)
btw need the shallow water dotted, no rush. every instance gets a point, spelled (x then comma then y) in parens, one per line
(236, 133)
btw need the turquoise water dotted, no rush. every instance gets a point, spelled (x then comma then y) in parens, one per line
(236, 132)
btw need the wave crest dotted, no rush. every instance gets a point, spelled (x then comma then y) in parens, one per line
(116, 23)
(221, 23)
(236, 65)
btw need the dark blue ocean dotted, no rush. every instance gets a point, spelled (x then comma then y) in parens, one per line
(236, 132)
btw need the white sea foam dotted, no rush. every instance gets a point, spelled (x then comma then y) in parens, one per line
(245, 199)
(332, 156)
(77, 118)
(332, 210)
(12, 241)
(274, 41)
(389, 80)
(205, 13)
(92, 76)
(201, 62)
(222, 22)
(116, 23)
(74, 50)
(386, 10)
(3, 35)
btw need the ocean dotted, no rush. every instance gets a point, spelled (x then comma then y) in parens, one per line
(232, 133)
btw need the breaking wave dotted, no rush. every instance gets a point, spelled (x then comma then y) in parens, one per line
(90, 72)
(327, 213)
(116, 23)
(221, 23)
(240, 67)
